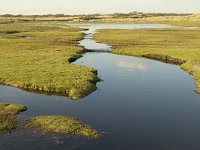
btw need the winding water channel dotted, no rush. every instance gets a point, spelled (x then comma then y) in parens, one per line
(141, 104)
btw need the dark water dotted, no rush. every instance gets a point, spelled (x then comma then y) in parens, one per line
(141, 104)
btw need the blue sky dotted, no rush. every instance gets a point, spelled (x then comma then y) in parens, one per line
(97, 6)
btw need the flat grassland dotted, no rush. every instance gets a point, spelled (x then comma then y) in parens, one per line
(37, 57)
(135, 17)
(192, 20)
(180, 45)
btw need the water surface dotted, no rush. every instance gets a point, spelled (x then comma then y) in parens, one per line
(140, 104)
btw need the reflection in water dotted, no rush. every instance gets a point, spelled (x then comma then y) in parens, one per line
(132, 66)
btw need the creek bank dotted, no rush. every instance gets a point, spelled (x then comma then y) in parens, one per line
(164, 58)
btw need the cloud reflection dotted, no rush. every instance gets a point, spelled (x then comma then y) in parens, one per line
(131, 66)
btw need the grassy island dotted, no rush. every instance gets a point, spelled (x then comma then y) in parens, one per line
(63, 125)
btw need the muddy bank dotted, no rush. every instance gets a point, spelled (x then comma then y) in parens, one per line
(164, 58)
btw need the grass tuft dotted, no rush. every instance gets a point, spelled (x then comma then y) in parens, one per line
(8, 114)
(63, 125)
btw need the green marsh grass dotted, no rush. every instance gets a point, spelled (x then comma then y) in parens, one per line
(42, 62)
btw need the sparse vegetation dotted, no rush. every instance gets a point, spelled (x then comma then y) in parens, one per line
(8, 114)
(42, 63)
(63, 125)
(178, 44)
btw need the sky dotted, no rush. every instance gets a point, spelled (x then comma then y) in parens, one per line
(73, 7)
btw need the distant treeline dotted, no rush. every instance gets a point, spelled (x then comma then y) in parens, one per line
(93, 16)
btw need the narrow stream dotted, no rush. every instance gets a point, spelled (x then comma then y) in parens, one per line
(141, 104)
